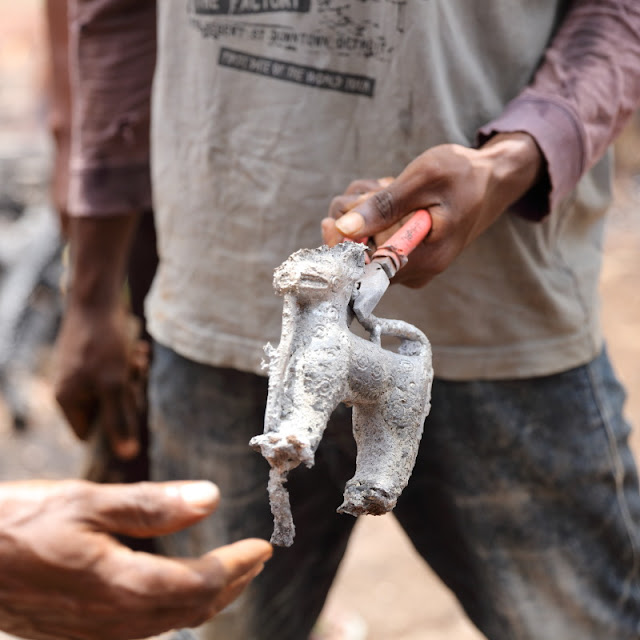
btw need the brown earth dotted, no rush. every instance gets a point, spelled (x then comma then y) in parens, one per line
(383, 583)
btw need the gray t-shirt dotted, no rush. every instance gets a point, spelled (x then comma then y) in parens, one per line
(265, 109)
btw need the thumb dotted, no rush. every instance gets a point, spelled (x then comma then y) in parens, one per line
(373, 215)
(230, 569)
(242, 557)
(146, 509)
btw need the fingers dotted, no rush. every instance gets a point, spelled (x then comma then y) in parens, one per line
(357, 210)
(113, 591)
(139, 359)
(114, 410)
(357, 192)
(79, 407)
(242, 558)
(206, 584)
(362, 185)
(330, 234)
(118, 419)
(147, 509)
(341, 205)
(375, 213)
(368, 185)
(179, 592)
(383, 183)
(122, 403)
(240, 563)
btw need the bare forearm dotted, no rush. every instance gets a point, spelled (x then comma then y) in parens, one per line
(95, 381)
(99, 253)
(516, 165)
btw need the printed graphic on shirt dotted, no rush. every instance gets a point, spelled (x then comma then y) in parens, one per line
(310, 76)
(242, 7)
(291, 33)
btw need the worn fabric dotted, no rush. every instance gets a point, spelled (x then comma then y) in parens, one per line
(578, 100)
(524, 500)
(112, 59)
(570, 108)
(221, 409)
(263, 111)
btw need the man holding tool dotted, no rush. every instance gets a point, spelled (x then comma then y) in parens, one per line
(524, 498)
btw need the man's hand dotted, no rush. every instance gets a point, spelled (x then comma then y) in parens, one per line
(465, 191)
(100, 374)
(64, 577)
(100, 369)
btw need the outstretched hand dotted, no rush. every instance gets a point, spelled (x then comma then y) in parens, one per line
(465, 191)
(63, 576)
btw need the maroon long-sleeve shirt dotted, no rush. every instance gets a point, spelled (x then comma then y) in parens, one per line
(112, 59)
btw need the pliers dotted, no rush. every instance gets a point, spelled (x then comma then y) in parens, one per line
(386, 261)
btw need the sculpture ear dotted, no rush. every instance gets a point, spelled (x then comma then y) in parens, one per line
(282, 280)
(357, 252)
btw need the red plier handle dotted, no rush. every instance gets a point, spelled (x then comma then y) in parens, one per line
(394, 253)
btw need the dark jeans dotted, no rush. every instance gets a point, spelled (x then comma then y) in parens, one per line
(524, 500)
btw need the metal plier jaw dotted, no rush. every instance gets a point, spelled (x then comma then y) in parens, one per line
(386, 261)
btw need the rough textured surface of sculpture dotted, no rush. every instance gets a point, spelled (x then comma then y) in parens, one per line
(319, 363)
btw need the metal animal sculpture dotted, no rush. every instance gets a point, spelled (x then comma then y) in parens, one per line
(319, 363)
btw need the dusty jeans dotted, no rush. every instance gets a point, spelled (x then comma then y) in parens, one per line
(524, 499)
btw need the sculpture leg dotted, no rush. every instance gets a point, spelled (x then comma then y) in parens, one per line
(387, 448)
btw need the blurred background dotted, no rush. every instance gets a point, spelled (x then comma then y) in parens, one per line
(384, 591)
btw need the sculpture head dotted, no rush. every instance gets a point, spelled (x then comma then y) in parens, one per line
(322, 273)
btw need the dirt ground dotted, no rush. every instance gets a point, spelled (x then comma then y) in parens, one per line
(384, 590)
